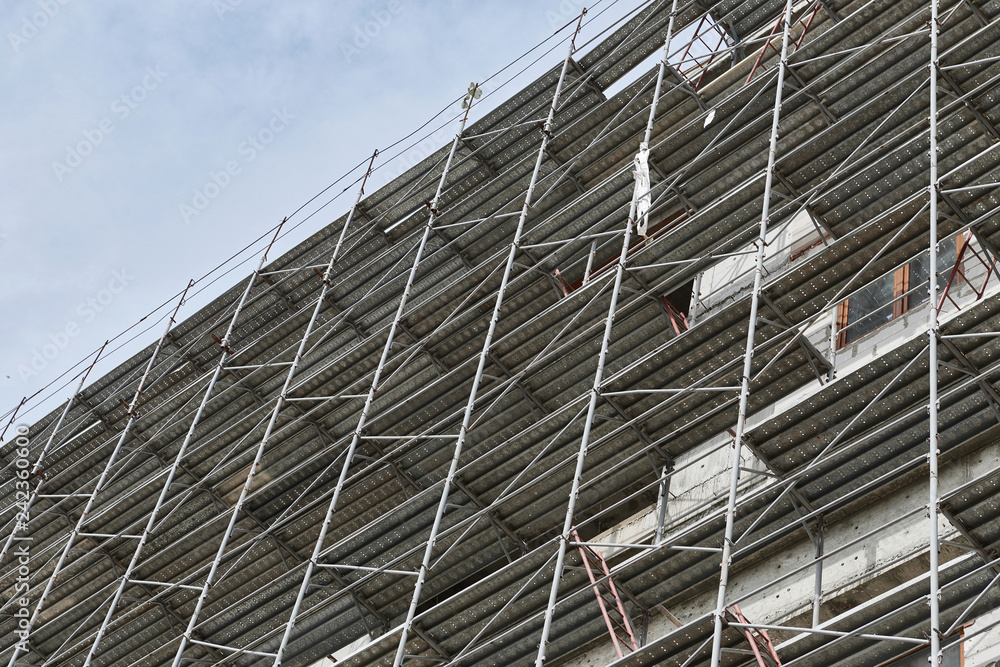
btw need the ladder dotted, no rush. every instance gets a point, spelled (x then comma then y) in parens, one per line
(758, 640)
(615, 616)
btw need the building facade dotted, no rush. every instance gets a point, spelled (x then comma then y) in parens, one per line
(498, 414)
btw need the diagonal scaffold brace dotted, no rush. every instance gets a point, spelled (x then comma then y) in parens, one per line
(102, 479)
(483, 356)
(314, 559)
(116, 598)
(188, 436)
(37, 467)
(566, 535)
(226, 354)
(279, 404)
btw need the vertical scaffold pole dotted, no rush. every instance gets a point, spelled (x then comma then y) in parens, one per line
(226, 353)
(99, 486)
(372, 390)
(347, 225)
(132, 416)
(487, 343)
(932, 334)
(224, 343)
(470, 404)
(275, 413)
(45, 450)
(565, 537)
(69, 543)
(741, 419)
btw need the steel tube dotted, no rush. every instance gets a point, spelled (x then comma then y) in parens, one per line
(828, 633)
(727, 543)
(470, 404)
(369, 398)
(932, 341)
(45, 450)
(84, 515)
(187, 439)
(279, 404)
(565, 537)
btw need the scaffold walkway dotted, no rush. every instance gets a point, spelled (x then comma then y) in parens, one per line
(416, 437)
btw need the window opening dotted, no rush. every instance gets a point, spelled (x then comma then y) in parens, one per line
(957, 274)
(894, 294)
(656, 230)
(678, 305)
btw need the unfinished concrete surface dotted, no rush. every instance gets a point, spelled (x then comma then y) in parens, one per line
(421, 435)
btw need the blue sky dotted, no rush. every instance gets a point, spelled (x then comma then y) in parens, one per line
(146, 142)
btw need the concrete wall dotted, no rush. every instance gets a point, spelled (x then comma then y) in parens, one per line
(851, 575)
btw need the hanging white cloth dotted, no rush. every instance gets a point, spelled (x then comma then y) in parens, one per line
(641, 196)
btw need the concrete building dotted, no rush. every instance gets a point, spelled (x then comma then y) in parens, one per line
(484, 419)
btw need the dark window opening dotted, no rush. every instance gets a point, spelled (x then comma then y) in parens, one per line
(680, 298)
(678, 305)
(655, 230)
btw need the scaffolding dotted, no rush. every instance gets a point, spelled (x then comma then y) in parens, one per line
(480, 420)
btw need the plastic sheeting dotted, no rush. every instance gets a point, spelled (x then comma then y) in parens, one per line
(641, 196)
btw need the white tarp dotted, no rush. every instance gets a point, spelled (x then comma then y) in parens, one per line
(641, 195)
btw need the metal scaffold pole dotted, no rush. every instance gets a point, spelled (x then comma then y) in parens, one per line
(132, 417)
(483, 355)
(741, 419)
(226, 353)
(275, 413)
(932, 341)
(101, 480)
(224, 343)
(373, 388)
(45, 450)
(565, 536)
